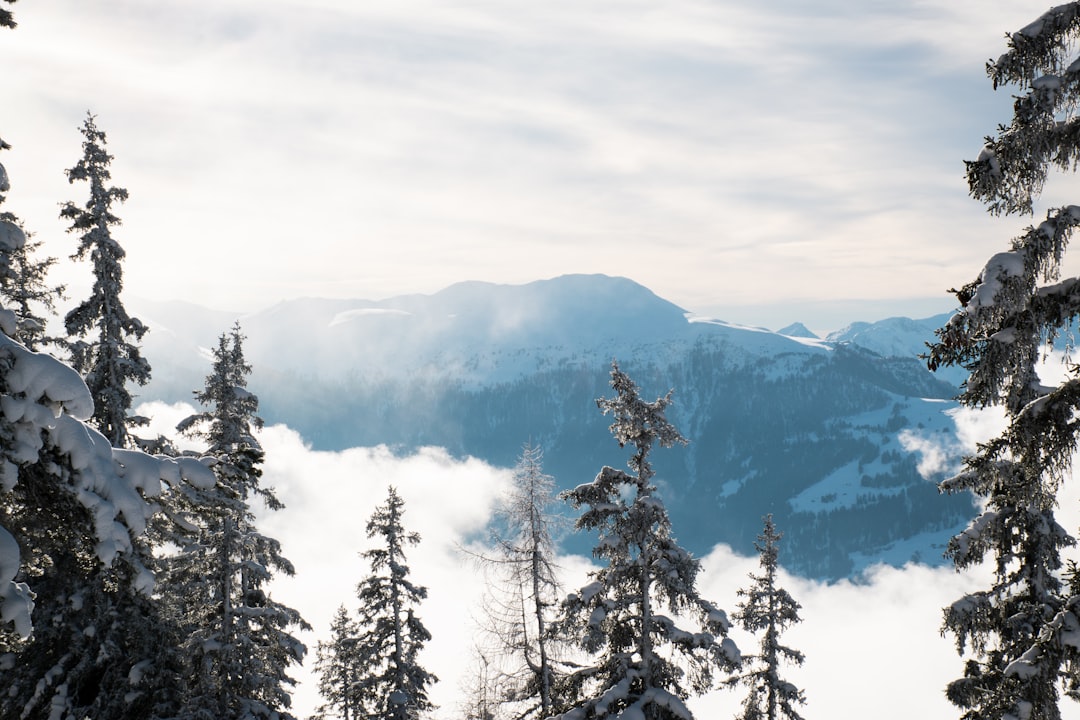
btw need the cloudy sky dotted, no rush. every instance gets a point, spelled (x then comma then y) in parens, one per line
(734, 157)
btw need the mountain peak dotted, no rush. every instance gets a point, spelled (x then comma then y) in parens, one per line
(797, 330)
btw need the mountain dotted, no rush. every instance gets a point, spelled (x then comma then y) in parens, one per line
(797, 330)
(821, 433)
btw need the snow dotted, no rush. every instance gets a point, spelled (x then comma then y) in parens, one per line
(591, 590)
(999, 268)
(45, 379)
(11, 236)
(16, 601)
(351, 315)
(1026, 666)
(987, 155)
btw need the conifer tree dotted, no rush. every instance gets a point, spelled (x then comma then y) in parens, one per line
(25, 290)
(237, 637)
(644, 665)
(32, 297)
(336, 668)
(770, 609)
(72, 510)
(392, 684)
(104, 337)
(1014, 632)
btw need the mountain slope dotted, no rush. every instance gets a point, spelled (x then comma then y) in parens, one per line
(812, 431)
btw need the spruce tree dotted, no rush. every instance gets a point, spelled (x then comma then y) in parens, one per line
(237, 637)
(104, 337)
(1014, 631)
(72, 512)
(392, 684)
(336, 668)
(644, 664)
(770, 609)
(32, 297)
(25, 290)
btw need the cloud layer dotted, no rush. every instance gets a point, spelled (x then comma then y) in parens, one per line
(873, 645)
(720, 153)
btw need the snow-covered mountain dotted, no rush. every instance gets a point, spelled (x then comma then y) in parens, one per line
(818, 432)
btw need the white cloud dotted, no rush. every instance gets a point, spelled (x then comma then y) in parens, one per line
(873, 645)
(286, 149)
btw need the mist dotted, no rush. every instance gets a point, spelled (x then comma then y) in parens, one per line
(872, 644)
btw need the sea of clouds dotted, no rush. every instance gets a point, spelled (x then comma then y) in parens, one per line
(870, 645)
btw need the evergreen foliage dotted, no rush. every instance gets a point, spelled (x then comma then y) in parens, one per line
(337, 670)
(32, 297)
(770, 609)
(104, 337)
(24, 289)
(236, 637)
(391, 682)
(1016, 632)
(644, 664)
(72, 511)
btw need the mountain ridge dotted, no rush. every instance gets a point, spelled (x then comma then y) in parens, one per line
(808, 429)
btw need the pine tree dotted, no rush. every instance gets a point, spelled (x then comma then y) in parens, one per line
(336, 668)
(237, 637)
(771, 609)
(392, 684)
(645, 665)
(32, 297)
(520, 658)
(72, 511)
(1013, 631)
(104, 336)
(25, 290)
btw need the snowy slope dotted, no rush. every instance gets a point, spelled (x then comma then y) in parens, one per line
(808, 429)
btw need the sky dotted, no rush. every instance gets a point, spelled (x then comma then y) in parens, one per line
(758, 162)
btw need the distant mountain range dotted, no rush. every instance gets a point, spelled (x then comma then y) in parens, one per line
(811, 430)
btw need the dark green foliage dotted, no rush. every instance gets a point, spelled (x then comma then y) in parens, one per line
(789, 429)
(390, 680)
(337, 670)
(1015, 631)
(237, 639)
(641, 661)
(769, 609)
(103, 345)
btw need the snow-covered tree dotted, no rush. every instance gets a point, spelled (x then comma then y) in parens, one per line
(103, 336)
(1018, 633)
(72, 510)
(237, 637)
(520, 658)
(25, 290)
(769, 609)
(391, 682)
(644, 664)
(32, 297)
(336, 668)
